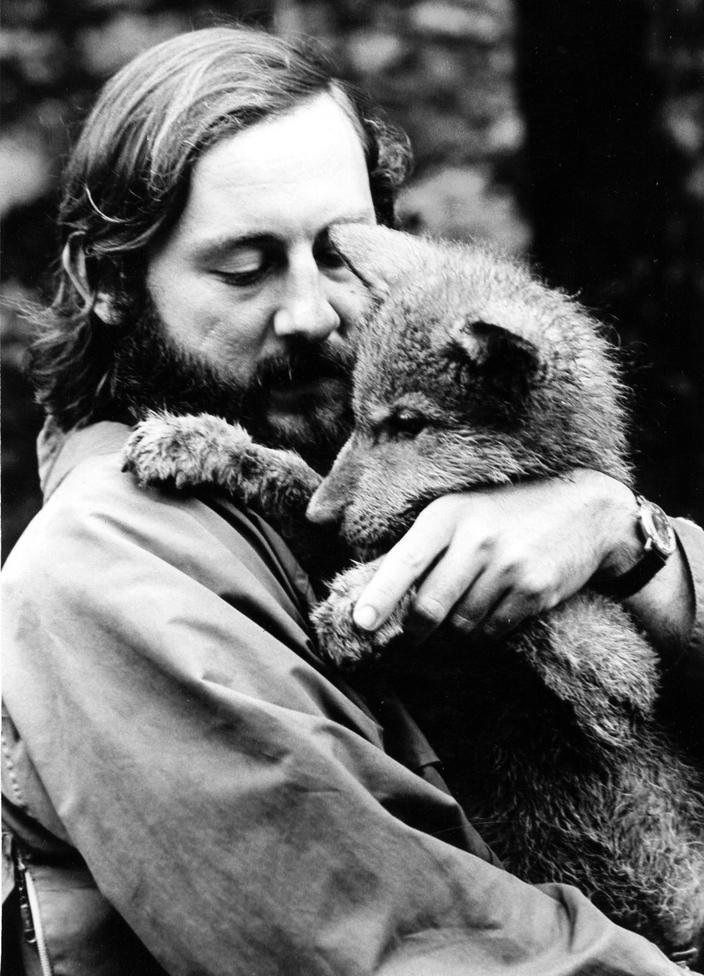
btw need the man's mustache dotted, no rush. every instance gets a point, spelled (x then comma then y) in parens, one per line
(302, 363)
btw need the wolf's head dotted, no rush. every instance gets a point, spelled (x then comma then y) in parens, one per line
(469, 373)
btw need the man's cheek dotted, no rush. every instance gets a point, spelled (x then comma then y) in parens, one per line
(352, 307)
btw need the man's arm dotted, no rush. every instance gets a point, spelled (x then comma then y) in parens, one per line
(490, 559)
(234, 806)
(665, 606)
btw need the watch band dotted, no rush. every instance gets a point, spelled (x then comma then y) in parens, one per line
(634, 579)
(659, 542)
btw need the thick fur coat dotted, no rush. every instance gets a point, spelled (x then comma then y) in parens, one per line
(471, 373)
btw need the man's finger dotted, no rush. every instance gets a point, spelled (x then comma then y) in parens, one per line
(402, 567)
(505, 615)
(443, 588)
(479, 602)
(516, 607)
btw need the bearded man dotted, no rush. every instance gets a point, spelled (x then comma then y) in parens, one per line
(188, 787)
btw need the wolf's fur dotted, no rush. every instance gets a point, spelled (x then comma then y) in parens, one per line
(471, 373)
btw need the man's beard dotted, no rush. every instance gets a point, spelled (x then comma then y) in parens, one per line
(152, 372)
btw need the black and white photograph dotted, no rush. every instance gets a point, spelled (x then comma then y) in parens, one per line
(352, 614)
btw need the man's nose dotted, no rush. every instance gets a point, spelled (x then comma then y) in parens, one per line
(304, 306)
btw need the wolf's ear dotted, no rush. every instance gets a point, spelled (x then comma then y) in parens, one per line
(378, 255)
(508, 359)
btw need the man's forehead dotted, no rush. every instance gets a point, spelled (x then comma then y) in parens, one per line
(305, 166)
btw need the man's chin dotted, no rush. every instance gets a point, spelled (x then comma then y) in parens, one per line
(315, 429)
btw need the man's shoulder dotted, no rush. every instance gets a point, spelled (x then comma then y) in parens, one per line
(97, 487)
(96, 498)
(96, 512)
(99, 528)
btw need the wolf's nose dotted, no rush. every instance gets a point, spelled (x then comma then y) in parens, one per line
(324, 508)
(322, 513)
(336, 491)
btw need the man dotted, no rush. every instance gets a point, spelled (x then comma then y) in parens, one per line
(188, 786)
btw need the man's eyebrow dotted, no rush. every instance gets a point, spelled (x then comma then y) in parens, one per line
(218, 247)
(361, 217)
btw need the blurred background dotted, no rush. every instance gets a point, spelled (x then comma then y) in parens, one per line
(571, 133)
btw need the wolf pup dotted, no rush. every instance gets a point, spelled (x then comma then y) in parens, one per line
(471, 373)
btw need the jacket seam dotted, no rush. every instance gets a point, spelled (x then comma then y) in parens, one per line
(18, 796)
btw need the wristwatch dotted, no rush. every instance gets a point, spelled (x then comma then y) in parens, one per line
(659, 542)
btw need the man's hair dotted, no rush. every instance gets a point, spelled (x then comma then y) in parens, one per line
(128, 178)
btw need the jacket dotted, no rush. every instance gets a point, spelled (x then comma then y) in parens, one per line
(190, 788)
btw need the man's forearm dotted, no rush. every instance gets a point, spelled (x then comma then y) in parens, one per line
(665, 606)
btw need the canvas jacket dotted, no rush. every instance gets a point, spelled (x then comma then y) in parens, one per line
(190, 787)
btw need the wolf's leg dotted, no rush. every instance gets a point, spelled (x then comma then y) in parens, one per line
(338, 637)
(590, 654)
(201, 450)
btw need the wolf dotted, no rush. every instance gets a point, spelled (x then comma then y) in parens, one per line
(470, 372)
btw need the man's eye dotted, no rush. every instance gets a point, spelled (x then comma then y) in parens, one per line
(245, 266)
(326, 256)
(331, 259)
(245, 276)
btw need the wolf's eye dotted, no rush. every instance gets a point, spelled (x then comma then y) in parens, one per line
(407, 424)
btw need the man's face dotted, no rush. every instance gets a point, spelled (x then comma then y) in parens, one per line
(247, 285)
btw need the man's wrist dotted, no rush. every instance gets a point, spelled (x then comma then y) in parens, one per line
(620, 545)
(665, 608)
(653, 538)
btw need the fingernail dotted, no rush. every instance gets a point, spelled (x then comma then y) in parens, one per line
(365, 617)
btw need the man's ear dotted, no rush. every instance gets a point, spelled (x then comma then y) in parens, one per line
(73, 260)
(378, 255)
(501, 355)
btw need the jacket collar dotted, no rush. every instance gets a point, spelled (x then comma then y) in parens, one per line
(58, 452)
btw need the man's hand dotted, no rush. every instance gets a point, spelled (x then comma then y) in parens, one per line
(487, 560)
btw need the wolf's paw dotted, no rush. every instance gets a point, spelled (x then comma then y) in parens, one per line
(339, 639)
(184, 451)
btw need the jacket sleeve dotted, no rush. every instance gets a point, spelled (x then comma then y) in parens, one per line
(234, 806)
(683, 689)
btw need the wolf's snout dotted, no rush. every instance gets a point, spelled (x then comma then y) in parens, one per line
(332, 497)
(327, 505)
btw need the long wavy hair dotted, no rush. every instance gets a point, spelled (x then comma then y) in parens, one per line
(128, 178)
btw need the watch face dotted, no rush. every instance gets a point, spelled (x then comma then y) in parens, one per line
(657, 528)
